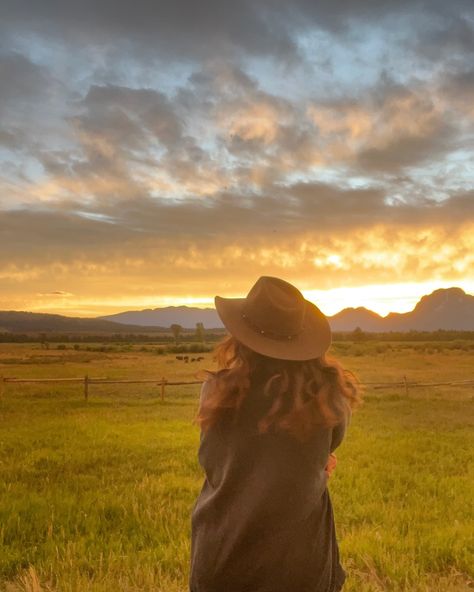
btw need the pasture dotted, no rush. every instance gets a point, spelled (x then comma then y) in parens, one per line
(95, 496)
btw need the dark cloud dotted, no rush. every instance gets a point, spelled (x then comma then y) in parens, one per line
(22, 79)
(10, 139)
(116, 129)
(450, 38)
(260, 136)
(56, 293)
(331, 13)
(406, 151)
(25, 87)
(121, 135)
(389, 128)
(178, 26)
(289, 214)
(32, 106)
(186, 31)
(135, 142)
(125, 116)
(314, 234)
(458, 89)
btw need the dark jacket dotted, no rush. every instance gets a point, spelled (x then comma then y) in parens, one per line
(263, 521)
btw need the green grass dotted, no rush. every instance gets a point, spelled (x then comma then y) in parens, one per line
(96, 496)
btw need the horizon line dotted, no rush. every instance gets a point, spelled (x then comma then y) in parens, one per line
(312, 295)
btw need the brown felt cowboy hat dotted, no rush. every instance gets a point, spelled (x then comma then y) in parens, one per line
(275, 320)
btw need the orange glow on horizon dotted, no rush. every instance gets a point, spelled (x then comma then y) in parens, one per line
(381, 298)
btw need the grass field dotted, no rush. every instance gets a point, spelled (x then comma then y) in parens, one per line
(96, 496)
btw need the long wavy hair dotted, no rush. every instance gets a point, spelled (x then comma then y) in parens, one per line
(302, 394)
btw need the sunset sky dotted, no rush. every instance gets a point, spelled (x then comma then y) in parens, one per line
(161, 152)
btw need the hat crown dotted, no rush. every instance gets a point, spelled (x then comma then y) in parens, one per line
(275, 307)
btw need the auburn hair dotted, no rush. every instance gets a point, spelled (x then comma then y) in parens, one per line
(303, 394)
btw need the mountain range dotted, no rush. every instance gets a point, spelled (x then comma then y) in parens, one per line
(186, 316)
(449, 309)
(12, 321)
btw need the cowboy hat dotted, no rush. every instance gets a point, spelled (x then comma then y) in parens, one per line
(275, 320)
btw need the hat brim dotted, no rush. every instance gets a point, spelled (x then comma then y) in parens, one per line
(312, 342)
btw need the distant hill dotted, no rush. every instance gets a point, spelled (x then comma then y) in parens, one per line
(26, 322)
(350, 318)
(443, 309)
(449, 309)
(186, 316)
(446, 309)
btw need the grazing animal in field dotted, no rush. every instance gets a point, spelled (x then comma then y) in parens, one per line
(179, 357)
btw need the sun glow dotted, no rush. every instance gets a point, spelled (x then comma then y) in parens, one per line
(380, 298)
(92, 307)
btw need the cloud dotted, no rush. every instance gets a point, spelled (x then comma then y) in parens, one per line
(220, 129)
(390, 128)
(23, 86)
(186, 30)
(289, 216)
(138, 142)
(314, 235)
(56, 293)
(177, 27)
(25, 79)
(457, 89)
(449, 38)
(182, 143)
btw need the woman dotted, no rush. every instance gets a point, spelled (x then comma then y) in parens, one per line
(270, 418)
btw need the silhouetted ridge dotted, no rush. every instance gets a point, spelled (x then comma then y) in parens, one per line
(448, 309)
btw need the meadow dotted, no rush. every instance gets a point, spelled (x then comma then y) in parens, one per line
(95, 496)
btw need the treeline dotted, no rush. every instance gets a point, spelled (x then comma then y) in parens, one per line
(182, 348)
(358, 335)
(200, 336)
(187, 336)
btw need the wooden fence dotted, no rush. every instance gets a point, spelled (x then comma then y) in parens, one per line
(87, 381)
(406, 384)
(162, 382)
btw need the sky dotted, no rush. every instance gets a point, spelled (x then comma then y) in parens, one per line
(157, 153)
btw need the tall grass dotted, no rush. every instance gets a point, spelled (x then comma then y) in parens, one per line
(96, 497)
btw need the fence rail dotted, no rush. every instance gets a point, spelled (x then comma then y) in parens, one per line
(87, 381)
(163, 382)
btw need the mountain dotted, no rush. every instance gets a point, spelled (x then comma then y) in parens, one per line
(446, 309)
(443, 309)
(350, 318)
(449, 308)
(186, 316)
(18, 322)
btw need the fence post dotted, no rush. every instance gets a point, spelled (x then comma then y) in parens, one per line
(406, 385)
(86, 387)
(163, 382)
